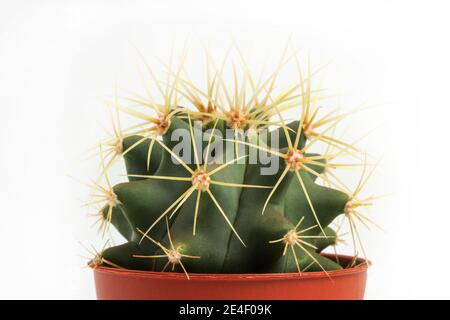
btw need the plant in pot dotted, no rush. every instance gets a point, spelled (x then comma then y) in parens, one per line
(225, 197)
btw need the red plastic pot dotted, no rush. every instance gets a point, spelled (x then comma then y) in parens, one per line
(117, 284)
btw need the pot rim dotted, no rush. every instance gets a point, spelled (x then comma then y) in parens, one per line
(361, 268)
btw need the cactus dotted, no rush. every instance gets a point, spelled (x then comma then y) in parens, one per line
(225, 216)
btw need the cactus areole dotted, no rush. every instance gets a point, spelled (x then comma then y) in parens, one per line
(234, 188)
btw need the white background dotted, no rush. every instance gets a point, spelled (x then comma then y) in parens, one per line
(58, 59)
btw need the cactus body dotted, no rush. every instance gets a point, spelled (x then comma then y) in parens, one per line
(142, 200)
(210, 214)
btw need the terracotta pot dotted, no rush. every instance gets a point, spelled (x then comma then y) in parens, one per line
(120, 284)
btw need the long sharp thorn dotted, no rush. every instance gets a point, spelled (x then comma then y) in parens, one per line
(193, 142)
(223, 166)
(197, 204)
(170, 178)
(225, 216)
(149, 153)
(299, 222)
(314, 259)
(239, 185)
(309, 200)
(186, 197)
(176, 157)
(280, 179)
(209, 145)
(164, 214)
(295, 258)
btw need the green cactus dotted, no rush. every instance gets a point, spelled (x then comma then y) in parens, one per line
(227, 217)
